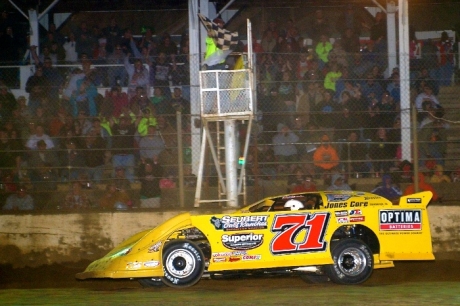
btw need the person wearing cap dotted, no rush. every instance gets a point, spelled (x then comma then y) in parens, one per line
(20, 200)
(325, 157)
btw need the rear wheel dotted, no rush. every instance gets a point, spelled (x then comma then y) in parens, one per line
(183, 263)
(353, 262)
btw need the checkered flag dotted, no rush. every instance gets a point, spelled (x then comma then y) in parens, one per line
(224, 39)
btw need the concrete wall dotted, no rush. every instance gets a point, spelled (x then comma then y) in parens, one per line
(39, 239)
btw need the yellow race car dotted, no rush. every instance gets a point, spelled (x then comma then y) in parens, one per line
(336, 235)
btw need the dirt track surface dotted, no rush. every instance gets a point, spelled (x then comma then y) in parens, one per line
(63, 276)
(409, 283)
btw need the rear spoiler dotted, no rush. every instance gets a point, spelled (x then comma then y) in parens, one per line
(420, 199)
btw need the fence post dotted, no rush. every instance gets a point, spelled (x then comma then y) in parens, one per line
(415, 149)
(180, 157)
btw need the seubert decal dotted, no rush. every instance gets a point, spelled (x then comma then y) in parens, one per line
(238, 223)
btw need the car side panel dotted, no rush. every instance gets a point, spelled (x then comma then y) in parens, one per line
(267, 239)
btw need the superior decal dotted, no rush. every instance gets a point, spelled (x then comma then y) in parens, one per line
(238, 223)
(400, 220)
(242, 241)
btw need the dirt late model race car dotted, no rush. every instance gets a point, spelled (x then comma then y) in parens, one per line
(340, 236)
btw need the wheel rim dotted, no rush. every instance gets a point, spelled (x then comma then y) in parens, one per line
(180, 263)
(352, 261)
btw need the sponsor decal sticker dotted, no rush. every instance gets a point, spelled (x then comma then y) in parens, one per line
(242, 241)
(337, 197)
(356, 212)
(234, 258)
(155, 248)
(151, 263)
(228, 254)
(371, 198)
(342, 220)
(238, 223)
(133, 265)
(357, 219)
(219, 259)
(293, 196)
(251, 257)
(400, 220)
(358, 204)
(341, 213)
(337, 205)
(414, 200)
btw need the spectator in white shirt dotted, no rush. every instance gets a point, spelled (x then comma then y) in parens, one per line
(71, 55)
(39, 135)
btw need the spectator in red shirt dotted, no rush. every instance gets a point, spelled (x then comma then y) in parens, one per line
(306, 186)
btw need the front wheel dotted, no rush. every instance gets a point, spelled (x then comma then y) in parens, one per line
(353, 262)
(183, 263)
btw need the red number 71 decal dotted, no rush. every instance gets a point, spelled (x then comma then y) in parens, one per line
(288, 227)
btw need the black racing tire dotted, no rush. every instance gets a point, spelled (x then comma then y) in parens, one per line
(151, 282)
(183, 263)
(353, 262)
(314, 278)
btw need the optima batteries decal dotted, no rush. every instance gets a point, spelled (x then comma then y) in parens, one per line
(400, 220)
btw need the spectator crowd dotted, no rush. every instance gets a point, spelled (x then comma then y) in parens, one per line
(326, 107)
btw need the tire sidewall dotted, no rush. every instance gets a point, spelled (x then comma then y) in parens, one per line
(335, 273)
(174, 281)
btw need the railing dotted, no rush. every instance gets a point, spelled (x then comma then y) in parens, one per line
(288, 96)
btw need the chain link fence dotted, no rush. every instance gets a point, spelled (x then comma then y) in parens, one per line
(109, 125)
